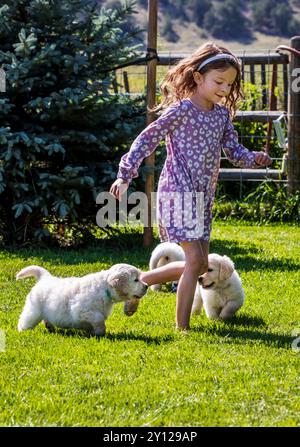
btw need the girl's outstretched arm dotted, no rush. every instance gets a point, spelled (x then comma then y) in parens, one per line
(237, 154)
(166, 273)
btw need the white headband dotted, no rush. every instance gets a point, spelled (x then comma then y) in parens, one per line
(216, 58)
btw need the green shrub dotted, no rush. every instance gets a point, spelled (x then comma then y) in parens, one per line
(62, 130)
(268, 203)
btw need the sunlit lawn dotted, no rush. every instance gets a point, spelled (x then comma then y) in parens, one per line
(142, 373)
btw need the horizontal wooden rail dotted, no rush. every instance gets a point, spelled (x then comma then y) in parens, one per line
(251, 174)
(257, 116)
(246, 59)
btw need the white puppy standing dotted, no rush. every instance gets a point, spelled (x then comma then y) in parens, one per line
(80, 303)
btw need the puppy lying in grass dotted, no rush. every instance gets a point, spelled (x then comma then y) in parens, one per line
(80, 303)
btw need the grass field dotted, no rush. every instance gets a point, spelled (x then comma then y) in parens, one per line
(143, 373)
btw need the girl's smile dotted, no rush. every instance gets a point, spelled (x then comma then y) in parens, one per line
(212, 87)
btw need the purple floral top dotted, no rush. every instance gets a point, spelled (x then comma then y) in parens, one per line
(187, 183)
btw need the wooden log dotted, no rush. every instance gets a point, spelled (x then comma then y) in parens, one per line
(126, 82)
(252, 80)
(151, 98)
(293, 161)
(115, 83)
(285, 86)
(263, 85)
(272, 105)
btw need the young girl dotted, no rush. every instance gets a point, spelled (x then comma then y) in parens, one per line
(200, 94)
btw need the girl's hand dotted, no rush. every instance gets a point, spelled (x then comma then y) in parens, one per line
(262, 159)
(118, 188)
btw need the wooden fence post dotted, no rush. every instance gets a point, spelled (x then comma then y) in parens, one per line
(151, 97)
(294, 120)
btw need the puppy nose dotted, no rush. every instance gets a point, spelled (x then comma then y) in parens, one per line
(200, 279)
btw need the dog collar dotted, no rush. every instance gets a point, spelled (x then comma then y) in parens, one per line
(108, 296)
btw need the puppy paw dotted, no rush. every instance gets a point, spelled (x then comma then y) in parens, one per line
(98, 332)
(174, 287)
(50, 328)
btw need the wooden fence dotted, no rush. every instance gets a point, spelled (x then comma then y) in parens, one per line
(269, 70)
(273, 72)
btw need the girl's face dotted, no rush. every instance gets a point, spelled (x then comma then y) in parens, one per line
(214, 85)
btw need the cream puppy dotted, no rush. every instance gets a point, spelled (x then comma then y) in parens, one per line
(81, 303)
(163, 254)
(219, 290)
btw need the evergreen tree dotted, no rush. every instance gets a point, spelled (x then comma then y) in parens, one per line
(198, 9)
(226, 21)
(174, 9)
(61, 128)
(168, 31)
(274, 18)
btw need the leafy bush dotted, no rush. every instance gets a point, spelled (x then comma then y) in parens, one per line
(268, 203)
(62, 130)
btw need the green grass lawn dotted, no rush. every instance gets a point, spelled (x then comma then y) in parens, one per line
(143, 373)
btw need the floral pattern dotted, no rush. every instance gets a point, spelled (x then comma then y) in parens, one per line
(188, 180)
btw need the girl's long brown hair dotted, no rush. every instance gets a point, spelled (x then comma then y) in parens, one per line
(179, 82)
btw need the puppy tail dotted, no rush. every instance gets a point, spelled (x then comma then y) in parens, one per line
(166, 251)
(33, 270)
(154, 260)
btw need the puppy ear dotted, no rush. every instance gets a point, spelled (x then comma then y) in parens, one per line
(226, 268)
(116, 280)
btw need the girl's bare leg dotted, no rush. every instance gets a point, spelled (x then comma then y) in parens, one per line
(196, 255)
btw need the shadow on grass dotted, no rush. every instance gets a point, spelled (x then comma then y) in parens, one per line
(119, 336)
(139, 337)
(246, 320)
(231, 331)
(128, 248)
(238, 330)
